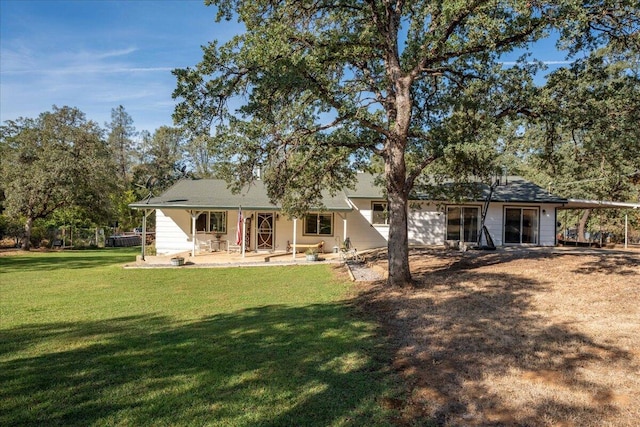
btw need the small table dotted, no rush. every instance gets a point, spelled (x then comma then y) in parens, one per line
(218, 245)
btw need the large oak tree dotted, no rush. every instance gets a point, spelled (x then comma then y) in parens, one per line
(57, 160)
(312, 90)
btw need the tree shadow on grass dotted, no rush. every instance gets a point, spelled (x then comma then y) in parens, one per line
(50, 261)
(475, 351)
(269, 366)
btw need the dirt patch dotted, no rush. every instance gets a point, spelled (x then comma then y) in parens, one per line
(516, 338)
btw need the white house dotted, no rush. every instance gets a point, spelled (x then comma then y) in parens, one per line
(194, 213)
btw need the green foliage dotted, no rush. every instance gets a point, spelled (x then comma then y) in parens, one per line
(11, 227)
(128, 219)
(57, 160)
(121, 144)
(88, 343)
(162, 162)
(586, 138)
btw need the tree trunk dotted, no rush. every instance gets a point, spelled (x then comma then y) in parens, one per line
(26, 239)
(582, 225)
(398, 244)
(397, 189)
(397, 197)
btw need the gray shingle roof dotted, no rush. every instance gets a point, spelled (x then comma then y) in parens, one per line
(514, 189)
(518, 189)
(215, 194)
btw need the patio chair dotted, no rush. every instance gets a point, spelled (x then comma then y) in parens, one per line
(348, 252)
(203, 241)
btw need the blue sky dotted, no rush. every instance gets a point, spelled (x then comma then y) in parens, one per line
(98, 54)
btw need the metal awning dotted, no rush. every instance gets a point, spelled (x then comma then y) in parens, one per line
(598, 204)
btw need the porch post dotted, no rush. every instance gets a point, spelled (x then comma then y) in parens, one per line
(144, 231)
(344, 229)
(295, 233)
(194, 216)
(244, 236)
(626, 230)
(146, 212)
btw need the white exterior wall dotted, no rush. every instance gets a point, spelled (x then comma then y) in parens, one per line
(362, 233)
(173, 231)
(546, 224)
(426, 224)
(495, 223)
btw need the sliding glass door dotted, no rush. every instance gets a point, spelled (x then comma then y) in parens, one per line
(521, 226)
(462, 223)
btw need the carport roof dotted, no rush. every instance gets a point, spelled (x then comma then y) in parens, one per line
(598, 204)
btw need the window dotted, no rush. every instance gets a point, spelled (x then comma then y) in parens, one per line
(218, 222)
(521, 225)
(318, 224)
(462, 223)
(380, 214)
(214, 222)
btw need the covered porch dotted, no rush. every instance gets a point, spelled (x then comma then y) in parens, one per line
(202, 217)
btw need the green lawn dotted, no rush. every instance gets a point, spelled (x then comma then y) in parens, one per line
(85, 342)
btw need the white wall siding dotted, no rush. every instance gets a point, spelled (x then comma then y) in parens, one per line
(494, 223)
(173, 233)
(426, 224)
(362, 233)
(548, 225)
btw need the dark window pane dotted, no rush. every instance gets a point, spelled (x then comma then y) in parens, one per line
(512, 226)
(201, 222)
(470, 225)
(380, 214)
(453, 223)
(530, 226)
(311, 224)
(325, 225)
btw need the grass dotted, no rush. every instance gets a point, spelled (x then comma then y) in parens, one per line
(85, 342)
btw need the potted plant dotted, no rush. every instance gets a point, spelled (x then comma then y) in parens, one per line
(311, 254)
(177, 261)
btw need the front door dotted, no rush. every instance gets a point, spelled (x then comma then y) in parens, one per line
(265, 231)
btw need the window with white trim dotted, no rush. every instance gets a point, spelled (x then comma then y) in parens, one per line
(379, 213)
(318, 224)
(213, 222)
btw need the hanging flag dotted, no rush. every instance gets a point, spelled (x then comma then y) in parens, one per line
(239, 233)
